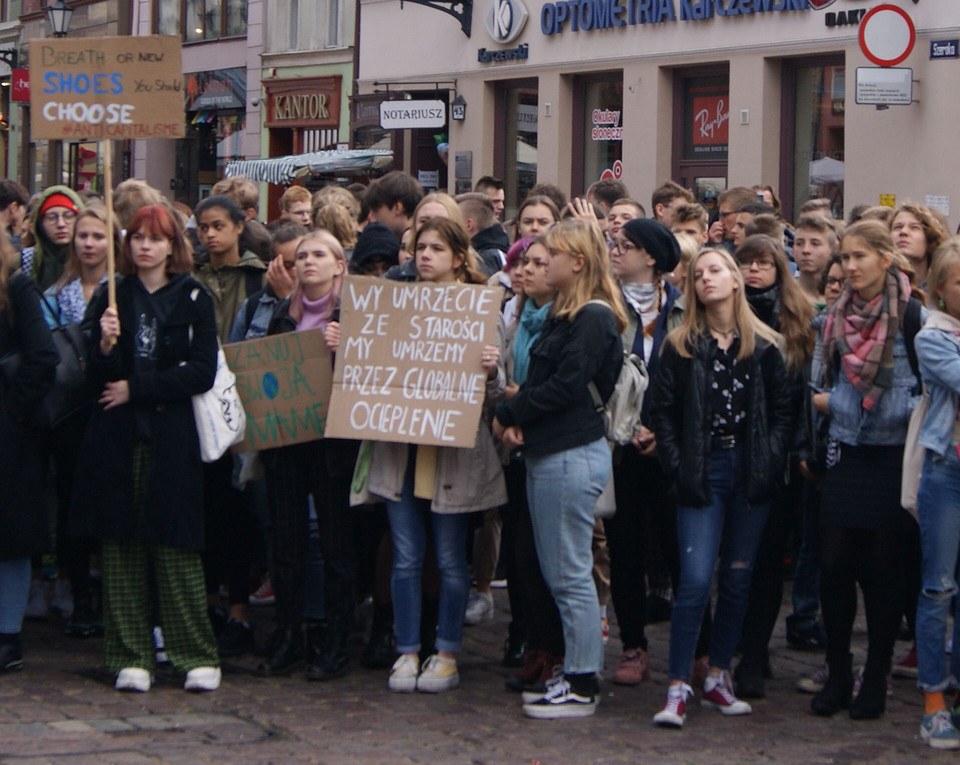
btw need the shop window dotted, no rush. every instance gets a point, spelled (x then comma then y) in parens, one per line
(598, 129)
(701, 126)
(516, 142)
(813, 110)
(286, 33)
(197, 20)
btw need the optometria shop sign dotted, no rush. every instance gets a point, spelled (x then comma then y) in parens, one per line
(586, 15)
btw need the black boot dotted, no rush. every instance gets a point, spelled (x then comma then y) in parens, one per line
(335, 659)
(11, 656)
(316, 642)
(380, 651)
(287, 654)
(872, 699)
(836, 691)
(514, 652)
(748, 679)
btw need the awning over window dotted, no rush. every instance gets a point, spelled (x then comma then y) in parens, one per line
(284, 170)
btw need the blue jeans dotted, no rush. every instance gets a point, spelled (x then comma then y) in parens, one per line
(938, 505)
(408, 531)
(731, 527)
(562, 491)
(14, 591)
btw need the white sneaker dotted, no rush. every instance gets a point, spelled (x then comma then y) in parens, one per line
(62, 598)
(439, 674)
(37, 604)
(202, 679)
(479, 608)
(674, 712)
(133, 679)
(403, 676)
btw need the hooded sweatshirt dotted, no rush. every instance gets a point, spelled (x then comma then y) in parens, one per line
(44, 261)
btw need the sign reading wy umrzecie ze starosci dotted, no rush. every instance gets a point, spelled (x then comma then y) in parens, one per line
(106, 88)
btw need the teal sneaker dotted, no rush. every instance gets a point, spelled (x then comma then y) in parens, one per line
(938, 732)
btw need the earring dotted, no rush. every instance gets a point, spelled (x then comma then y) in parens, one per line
(941, 305)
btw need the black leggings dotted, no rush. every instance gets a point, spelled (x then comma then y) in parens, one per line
(872, 558)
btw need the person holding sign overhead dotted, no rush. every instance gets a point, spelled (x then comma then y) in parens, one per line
(324, 469)
(436, 486)
(554, 419)
(139, 480)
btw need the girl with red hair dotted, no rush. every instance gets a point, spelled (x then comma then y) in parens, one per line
(139, 480)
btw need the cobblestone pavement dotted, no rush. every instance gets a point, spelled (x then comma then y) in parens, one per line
(61, 709)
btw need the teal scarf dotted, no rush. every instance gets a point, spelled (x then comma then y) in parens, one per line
(528, 329)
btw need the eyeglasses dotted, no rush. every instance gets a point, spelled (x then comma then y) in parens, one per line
(727, 213)
(66, 215)
(763, 264)
(624, 247)
(833, 281)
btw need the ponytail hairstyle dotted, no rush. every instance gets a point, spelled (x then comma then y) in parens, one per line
(456, 238)
(595, 280)
(686, 336)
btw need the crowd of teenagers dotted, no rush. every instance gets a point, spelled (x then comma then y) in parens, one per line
(777, 439)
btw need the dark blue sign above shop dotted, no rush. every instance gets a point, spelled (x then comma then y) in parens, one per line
(944, 48)
(585, 15)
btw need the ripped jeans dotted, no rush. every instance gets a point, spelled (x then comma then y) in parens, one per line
(728, 526)
(938, 505)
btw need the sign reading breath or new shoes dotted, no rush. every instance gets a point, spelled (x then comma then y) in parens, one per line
(106, 88)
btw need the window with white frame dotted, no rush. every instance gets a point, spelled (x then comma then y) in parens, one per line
(302, 25)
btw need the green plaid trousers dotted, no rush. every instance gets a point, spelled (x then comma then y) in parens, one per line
(178, 573)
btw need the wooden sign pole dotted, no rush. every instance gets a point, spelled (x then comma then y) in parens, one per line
(106, 150)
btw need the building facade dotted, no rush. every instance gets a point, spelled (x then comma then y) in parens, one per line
(711, 93)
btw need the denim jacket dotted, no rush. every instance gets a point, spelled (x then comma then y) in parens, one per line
(938, 351)
(886, 423)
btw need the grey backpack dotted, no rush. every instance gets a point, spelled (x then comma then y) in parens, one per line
(621, 413)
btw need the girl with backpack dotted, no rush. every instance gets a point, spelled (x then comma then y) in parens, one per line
(554, 419)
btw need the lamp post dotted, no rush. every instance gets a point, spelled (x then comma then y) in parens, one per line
(59, 16)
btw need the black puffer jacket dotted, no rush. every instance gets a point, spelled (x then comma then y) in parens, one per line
(554, 407)
(679, 411)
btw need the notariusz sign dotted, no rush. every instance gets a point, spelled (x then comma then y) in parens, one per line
(586, 15)
(404, 115)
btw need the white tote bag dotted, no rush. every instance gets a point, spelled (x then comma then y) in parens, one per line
(913, 455)
(221, 421)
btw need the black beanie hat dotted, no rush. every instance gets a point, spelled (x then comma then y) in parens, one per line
(375, 241)
(656, 239)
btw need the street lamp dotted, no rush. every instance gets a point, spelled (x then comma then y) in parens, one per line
(59, 15)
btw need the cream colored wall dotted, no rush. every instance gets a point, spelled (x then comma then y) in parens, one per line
(908, 151)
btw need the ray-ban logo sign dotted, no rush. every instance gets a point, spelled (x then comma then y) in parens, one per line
(505, 19)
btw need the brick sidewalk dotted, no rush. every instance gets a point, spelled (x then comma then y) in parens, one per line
(62, 709)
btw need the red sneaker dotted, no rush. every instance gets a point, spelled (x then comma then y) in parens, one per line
(907, 666)
(674, 712)
(718, 694)
(264, 595)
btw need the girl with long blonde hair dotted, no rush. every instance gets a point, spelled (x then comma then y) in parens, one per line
(722, 417)
(554, 419)
(321, 468)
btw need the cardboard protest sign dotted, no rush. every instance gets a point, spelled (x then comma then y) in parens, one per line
(284, 383)
(106, 88)
(408, 366)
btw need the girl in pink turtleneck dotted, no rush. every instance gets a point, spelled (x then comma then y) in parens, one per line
(321, 468)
